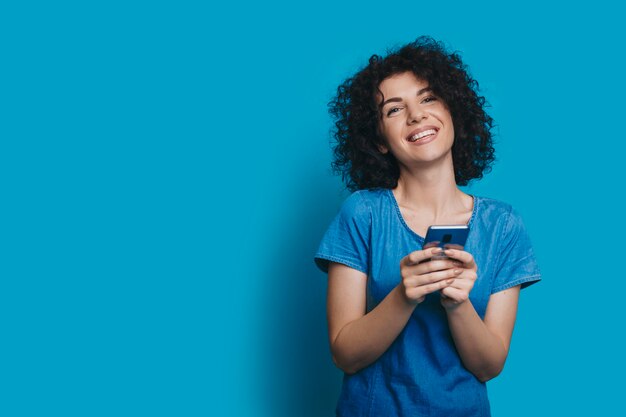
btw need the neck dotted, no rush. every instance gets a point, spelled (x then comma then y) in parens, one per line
(432, 192)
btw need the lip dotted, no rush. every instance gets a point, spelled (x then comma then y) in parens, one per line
(423, 140)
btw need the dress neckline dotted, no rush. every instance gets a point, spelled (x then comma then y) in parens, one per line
(411, 231)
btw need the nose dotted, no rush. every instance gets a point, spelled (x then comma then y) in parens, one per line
(415, 114)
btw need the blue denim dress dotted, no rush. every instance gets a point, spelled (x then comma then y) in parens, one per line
(421, 373)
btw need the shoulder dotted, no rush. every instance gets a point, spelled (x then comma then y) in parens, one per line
(497, 210)
(362, 202)
(500, 215)
(494, 208)
(514, 262)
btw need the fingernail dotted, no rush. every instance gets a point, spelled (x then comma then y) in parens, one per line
(457, 271)
(437, 250)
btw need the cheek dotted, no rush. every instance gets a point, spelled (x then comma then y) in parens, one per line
(386, 130)
(391, 127)
(447, 121)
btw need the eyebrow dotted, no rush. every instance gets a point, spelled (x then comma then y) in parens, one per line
(398, 99)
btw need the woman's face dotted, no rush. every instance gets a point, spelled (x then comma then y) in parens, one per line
(416, 124)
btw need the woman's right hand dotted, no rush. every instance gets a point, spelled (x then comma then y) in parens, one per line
(420, 279)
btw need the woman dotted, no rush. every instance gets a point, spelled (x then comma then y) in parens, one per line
(418, 338)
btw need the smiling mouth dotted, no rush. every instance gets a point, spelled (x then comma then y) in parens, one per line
(422, 135)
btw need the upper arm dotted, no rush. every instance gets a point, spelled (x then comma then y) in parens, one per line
(501, 313)
(346, 298)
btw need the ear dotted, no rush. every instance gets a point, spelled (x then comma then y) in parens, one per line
(382, 148)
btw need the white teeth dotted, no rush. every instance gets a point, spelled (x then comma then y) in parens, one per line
(422, 134)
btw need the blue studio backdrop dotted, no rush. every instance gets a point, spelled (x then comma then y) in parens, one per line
(165, 180)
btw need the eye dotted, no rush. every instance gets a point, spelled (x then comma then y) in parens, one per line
(393, 110)
(429, 99)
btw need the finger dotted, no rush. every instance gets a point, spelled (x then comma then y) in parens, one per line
(452, 246)
(461, 284)
(420, 255)
(435, 265)
(437, 276)
(425, 279)
(461, 255)
(426, 268)
(468, 276)
(432, 244)
(455, 294)
(465, 280)
(421, 291)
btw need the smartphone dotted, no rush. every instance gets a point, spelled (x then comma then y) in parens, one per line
(446, 237)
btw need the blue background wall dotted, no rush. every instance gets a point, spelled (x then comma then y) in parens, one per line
(165, 181)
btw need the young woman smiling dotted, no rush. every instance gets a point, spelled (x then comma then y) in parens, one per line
(418, 338)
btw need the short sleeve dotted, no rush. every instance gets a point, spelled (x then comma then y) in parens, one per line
(516, 263)
(347, 239)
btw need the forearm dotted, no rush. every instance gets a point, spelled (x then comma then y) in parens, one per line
(362, 341)
(482, 352)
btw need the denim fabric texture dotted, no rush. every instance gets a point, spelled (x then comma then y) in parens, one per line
(421, 373)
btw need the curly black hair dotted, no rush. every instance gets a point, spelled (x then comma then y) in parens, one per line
(356, 111)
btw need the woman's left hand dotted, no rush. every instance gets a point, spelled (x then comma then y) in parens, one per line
(458, 292)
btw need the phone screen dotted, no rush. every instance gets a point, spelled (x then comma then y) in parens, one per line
(446, 237)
